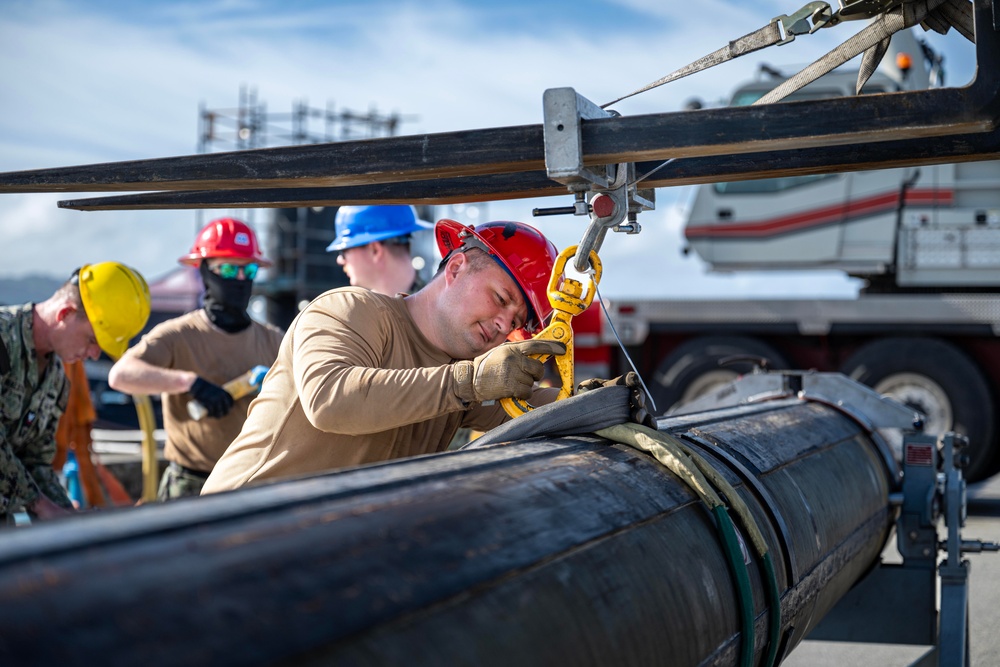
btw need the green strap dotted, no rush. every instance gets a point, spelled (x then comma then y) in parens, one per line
(678, 457)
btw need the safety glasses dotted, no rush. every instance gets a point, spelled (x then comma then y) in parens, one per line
(230, 271)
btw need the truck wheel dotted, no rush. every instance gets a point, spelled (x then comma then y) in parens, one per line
(693, 369)
(939, 380)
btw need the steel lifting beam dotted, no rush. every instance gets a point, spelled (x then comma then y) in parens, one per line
(729, 131)
(690, 171)
(738, 130)
(443, 167)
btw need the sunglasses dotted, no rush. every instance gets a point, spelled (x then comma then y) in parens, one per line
(230, 271)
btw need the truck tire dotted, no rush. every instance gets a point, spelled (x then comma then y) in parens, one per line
(693, 369)
(938, 379)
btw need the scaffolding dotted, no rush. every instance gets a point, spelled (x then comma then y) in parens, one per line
(294, 239)
(250, 125)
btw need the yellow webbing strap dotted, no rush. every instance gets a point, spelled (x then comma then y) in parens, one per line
(665, 450)
(693, 466)
(678, 457)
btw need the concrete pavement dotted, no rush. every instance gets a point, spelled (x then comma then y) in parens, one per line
(984, 601)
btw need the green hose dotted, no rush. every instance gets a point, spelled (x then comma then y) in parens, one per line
(756, 538)
(738, 566)
(774, 611)
(678, 457)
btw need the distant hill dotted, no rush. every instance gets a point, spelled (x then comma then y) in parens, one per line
(30, 288)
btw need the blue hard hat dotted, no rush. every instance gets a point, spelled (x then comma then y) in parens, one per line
(361, 225)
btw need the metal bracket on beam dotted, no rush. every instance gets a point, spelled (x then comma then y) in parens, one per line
(614, 199)
(564, 113)
(639, 199)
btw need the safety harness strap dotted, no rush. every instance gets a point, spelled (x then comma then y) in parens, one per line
(953, 13)
(873, 41)
(756, 40)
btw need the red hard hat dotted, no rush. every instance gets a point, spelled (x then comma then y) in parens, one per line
(225, 237)
(519, 248)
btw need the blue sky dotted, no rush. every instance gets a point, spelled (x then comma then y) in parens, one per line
(85, 82)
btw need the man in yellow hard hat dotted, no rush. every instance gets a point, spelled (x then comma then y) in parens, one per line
(101, 307)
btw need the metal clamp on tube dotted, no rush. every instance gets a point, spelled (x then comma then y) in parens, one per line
(568, 301)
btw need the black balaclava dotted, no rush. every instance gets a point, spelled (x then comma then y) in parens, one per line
(226, 300)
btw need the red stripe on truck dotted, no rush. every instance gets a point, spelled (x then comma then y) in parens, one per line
(836, 214)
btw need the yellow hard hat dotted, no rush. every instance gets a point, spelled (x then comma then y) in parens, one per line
(117, 301)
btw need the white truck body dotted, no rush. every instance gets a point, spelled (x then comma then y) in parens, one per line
(925, 240)
(936, 226)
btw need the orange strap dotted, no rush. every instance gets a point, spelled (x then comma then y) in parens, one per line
(73, 432)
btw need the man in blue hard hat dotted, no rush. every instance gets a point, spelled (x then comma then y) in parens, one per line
(374, 247)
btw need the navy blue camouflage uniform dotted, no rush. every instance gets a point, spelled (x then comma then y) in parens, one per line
(30, 408)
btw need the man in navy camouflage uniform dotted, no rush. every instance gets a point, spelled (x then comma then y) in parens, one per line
(101, 307)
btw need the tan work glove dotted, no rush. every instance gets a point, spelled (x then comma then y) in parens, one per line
(504, 372)
(636, 399)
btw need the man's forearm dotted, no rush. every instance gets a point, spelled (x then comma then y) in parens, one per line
(134, 376)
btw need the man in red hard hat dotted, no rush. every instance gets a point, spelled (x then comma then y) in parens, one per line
(191, 356)
(364, 377)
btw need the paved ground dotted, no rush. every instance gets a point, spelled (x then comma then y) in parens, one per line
(984, 600)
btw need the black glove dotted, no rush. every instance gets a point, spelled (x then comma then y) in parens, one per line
(636, 399)
(217, 401)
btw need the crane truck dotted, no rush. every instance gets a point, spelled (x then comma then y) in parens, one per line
(924, 241)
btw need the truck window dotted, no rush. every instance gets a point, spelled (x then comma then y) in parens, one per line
(768, 185)
(748, 96)
(744, 98)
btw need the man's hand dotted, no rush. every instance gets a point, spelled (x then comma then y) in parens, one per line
(636, 399)
(217, 401)
(43, 508)
(504, 372)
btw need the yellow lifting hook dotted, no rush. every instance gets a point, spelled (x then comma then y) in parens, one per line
(567, 302)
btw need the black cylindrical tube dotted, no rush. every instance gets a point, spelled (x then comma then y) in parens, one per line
(565, 550)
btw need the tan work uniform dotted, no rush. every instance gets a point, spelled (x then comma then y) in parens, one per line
(355, 382)
(192, 343)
